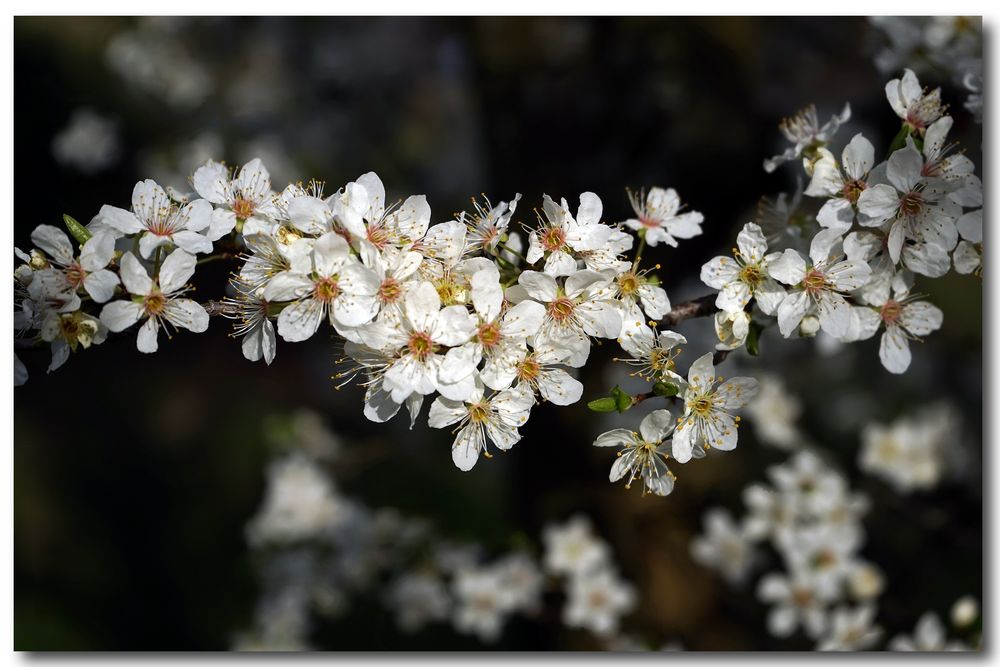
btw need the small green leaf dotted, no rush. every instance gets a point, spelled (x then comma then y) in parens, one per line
(753, 339)
(606, 404)
(666, 389)
(78, 231)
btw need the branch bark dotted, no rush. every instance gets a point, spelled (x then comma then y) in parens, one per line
(703, 306)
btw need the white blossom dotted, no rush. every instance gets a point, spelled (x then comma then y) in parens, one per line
(159, 300)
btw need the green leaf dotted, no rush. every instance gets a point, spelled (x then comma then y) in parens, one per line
(666, 389)
(606, 404)
(78, 231)
(753, 339)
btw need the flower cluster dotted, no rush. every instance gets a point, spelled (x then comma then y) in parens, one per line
(484, 317)
(810, 517)
(706, 422)
(320, 548)
(878, 226)
(911, 453)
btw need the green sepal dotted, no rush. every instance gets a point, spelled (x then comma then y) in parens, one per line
(665, 389)
(900, 140)
(76, 230)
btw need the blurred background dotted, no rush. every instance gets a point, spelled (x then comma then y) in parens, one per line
(135, 475)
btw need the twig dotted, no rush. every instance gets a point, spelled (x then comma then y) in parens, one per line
(703, 306)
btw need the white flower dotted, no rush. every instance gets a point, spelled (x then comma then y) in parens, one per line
(496, 418)
(917, 210)
(851, 630)
(329, 283)
(768, 512)
(843, 189)
(521, 582)
(929, 636)
(597, 601)
(161, 221)
(731, 329)
(643, 454)
(89, 270)
(488, 223)
(909, 453)
(89, 142)
(939, 163)
(396, 271)
(747, 277)
(707, 421)
(67, 332)
(631, 288)
(479, 603)
(808, 484)
(574, 311)
(823, 285)
(773, 412)
(301, 503)
(538, 370)
(500, 334)
(824, 550)
(573, 549)
(660, 217)
(253, 322)
(418, 599)
(968, 255)
(797, 601)
(418, 337)
(245, 202)
(560, 234)
(914, 105)
(159, 301)
(904, 317)
(725, 546)
(652, 353)
(804, 132)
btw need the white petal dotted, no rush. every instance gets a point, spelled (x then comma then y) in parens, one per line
(788, 268)
(120, 219)
(100, 285)
(54, 242)
(149, 201)
(453, 326)
(186, 314)
(120, 315)
(134, 276)
(559, 387)
(210, 181)
(656, 426)
(300, 320)
(894, 350)
(146, 340)
(175, 271)
(97, 252)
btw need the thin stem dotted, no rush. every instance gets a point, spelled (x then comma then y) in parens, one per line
(638, 253)
(213, 258)
(156, 262)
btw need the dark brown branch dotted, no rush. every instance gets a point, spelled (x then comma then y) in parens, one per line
(215, 308)
(703, 306)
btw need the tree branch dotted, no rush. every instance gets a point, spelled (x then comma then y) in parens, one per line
(703, 306)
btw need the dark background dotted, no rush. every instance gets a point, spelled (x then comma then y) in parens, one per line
(135, 474)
